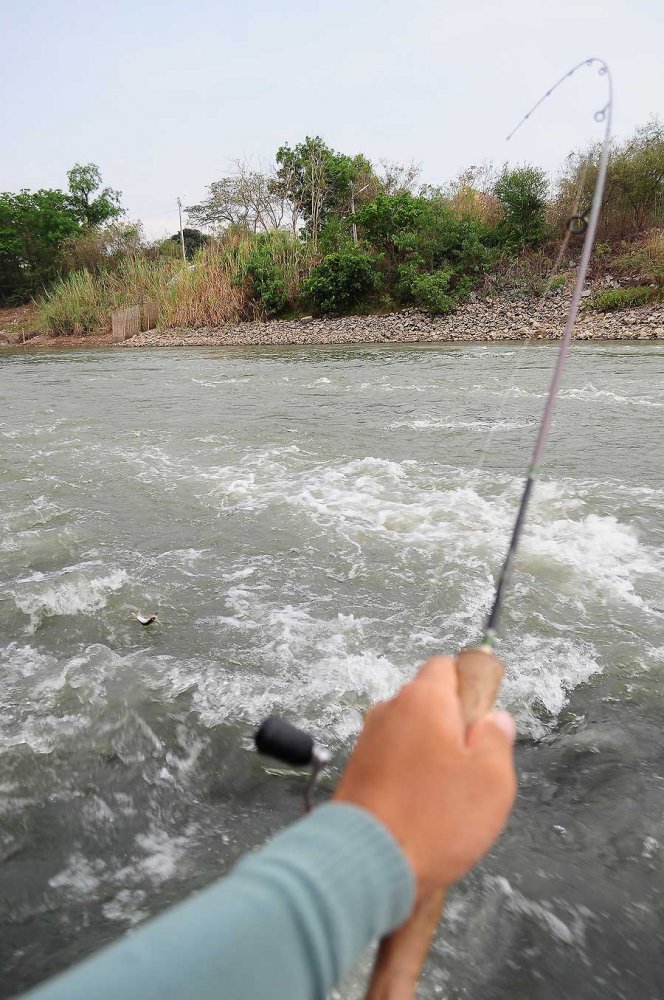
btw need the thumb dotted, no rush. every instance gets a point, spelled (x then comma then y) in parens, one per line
(493, 734)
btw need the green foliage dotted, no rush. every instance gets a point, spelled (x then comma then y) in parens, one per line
(432, 292)
(101, 247)
(341, 280)
(404, 227)
(319, 183)
(643, 259)
(275, 265)
(372, 240)
(336, 234)
(194, 240)
(33, 225)
(429, 254)
(82, 302)
(84, 182)
(625, 298)
(78, 304)
(522, 193)
(633, 199)
(268, 279)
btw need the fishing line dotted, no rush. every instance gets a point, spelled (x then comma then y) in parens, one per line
(579, 222)
(589, 221)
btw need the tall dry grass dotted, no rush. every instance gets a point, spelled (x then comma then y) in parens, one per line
(211, 292)
(83, 302)
(642, 260)
(225, 284)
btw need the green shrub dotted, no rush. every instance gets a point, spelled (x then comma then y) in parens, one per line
(522, 193)
(643, 259)
(625, 298)
(335, 235)
(421, 240)
(439, 292)
(632, 199)
(268, 282)
(432, 292)
(341, 280)
(275, 265)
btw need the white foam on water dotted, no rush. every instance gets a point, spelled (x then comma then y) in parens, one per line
(384, 386)
(488, 425)
(319, 670)
(650, 847)
(591, 392)
(70, 593)
(601, 555)
(163, 854)
(498, 388)
(81, 878)
(541, 673)
(571, 932)
(125, 907)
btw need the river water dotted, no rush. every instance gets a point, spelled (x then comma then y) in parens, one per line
(310, 524)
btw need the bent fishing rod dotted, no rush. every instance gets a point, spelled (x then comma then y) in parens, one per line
(402, 954)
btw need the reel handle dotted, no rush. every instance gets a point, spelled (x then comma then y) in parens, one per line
(279, 739)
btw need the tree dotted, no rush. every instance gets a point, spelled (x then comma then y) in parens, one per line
(634, 192)
(421, 235)
(33, 225)
(248, 199)
(194, 240)
(319, 183)
(400, 178)
(84, 181)
(102, 247)
(522, 193)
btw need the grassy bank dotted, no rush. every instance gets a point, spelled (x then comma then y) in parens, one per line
(252, 279)
(326, 234)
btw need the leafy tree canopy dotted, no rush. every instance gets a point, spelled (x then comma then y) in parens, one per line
(33, 225)
(194, 240)
(320, 182)
(522, 193)
(84, 183)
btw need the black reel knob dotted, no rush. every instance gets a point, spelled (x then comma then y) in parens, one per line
(277, 738)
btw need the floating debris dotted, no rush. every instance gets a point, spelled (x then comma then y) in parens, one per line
(144, 619)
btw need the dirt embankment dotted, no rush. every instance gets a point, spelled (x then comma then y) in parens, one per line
(19, 327)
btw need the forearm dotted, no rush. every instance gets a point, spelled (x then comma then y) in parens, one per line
(289, 921)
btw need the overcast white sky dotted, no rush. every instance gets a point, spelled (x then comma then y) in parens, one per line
(163, 95)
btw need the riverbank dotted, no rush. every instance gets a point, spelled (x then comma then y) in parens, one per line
(501, 317)
(496, 318)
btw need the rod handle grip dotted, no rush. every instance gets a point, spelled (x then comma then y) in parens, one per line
(402, 954)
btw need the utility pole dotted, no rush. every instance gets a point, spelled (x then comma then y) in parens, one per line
(352, 206)
(184, 256)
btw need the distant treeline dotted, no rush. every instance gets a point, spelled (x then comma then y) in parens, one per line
(327, 232)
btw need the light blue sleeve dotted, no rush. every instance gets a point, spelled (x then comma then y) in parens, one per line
(286, 924)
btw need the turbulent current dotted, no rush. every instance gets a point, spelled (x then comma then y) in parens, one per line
(310, 525)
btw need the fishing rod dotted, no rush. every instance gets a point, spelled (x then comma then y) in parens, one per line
(401, 955)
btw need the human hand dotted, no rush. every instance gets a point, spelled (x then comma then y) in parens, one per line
(442, 791)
